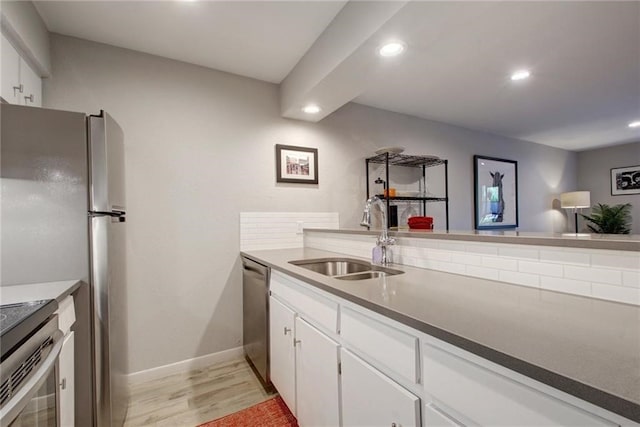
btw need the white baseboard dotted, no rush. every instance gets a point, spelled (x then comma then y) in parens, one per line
(200, 362)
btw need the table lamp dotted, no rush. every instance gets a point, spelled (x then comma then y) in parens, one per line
(575, 200)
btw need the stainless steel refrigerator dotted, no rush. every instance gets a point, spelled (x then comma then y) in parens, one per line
(62, 218)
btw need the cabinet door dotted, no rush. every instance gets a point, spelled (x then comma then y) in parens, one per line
(435, 417)
(66, 381)
(282, 352)
(10, 73)
(370, 398)
(316, 377)
(32, 82)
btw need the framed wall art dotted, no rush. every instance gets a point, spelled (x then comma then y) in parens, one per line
(297, 165)
(495, 193)
(625, 180)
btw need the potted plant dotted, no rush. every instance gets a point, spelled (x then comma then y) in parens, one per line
(610, 219)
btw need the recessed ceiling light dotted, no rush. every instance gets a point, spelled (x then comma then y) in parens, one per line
(635, 124)
(391, 49)
(311, 109)
(520, 75)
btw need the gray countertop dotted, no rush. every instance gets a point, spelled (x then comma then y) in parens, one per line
(620, 242)
(585, 347)
(38, 291)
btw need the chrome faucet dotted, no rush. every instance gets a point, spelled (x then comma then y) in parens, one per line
(381, 253)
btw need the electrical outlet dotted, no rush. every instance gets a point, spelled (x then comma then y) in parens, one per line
(300, 225)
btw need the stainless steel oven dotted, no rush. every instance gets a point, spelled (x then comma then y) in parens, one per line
(28, 374)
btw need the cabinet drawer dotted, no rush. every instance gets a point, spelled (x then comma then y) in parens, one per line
(489, 398)
(381, 344)
(309, 304)
(66, 314)
(370, 398)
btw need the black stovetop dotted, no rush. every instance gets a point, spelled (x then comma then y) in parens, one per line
(18, 321)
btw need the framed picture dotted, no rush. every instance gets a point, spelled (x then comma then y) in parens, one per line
(625, 180)
(296, 164)
(495, 193)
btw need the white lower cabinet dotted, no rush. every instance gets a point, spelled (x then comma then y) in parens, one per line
(370, 398)
(66, 360)
(66, 379)
(380, 383)
(488, 398)
(304, 367)
(317, 390)
(282, 352)
(435, 417)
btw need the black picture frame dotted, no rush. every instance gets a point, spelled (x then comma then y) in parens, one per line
(625, 180)
(495, 198)
(296, 165)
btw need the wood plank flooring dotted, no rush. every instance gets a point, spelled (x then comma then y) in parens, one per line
(189, 399)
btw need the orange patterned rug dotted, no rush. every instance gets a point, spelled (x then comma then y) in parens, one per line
(270, 413)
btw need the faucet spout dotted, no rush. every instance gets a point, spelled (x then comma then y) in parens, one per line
(383, 240)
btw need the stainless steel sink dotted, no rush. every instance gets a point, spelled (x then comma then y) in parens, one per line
(345, 268)
(333, 266)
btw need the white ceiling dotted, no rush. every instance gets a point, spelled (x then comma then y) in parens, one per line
(259, 39)
(584, 57)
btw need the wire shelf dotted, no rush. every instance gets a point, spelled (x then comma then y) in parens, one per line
(406, 160)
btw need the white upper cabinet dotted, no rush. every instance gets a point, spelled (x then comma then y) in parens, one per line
(32, 82)
(11, 91)
(20, 83)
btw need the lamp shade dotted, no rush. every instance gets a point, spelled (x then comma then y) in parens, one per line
(575, 199)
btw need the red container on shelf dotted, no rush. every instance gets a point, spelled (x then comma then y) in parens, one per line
(421, 222)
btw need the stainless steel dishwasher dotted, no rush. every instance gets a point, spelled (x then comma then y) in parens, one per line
(255, 315)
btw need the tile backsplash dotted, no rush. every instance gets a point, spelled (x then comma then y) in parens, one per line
(280, 230)
(604, 274)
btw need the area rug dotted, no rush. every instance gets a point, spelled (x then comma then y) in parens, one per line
(270, 413)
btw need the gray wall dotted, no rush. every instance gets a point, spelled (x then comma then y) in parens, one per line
(200, 149)
(594, 175)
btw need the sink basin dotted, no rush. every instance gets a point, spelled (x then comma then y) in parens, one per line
(345, 268)
(333, 266)
(363, 276)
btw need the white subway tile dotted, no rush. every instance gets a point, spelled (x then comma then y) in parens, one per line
(519, 251)
(520, 278)
(425, 243)
(631, 279)
(616, 293)
(436, 254)
(466, 258)
(578, 287)
(482, 272)
(451, 267)
(541, 268)
(451, 246)
(427, 263)
(617, 260)
(500, 263)
(482, 248)
(564, 257)
(601, 275)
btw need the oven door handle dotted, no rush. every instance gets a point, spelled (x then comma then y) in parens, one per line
(17, 403)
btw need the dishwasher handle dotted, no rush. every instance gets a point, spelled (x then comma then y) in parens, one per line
(250, 265)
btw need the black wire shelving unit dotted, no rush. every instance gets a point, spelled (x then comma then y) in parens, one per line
(422, 162)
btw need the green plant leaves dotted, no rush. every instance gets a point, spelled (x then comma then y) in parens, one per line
(607, 219)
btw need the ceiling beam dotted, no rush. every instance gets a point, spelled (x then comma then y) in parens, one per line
(339, 65)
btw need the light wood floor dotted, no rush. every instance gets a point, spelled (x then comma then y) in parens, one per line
(189, 399)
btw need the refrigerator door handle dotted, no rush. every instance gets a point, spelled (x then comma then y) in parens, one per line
(112, 213)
